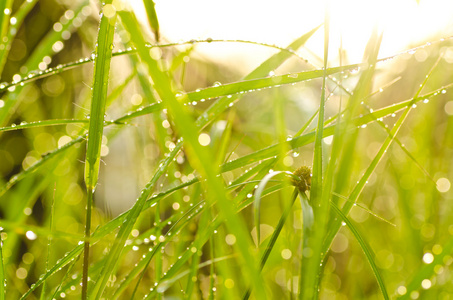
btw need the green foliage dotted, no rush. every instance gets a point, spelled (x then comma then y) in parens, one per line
(132, 172)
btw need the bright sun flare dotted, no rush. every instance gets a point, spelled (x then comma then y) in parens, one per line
(404, 23)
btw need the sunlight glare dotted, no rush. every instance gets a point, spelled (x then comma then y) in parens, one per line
(404, 23)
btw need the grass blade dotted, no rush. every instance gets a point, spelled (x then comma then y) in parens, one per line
(366, 249)
(93, 155)
(152, 17)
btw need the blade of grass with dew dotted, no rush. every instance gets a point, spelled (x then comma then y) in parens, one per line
(103, 56)
(49, 243)
(204, 221)
(381, 123)
(200, 156)
(42, 124)
(235, 90)
(308, 287)
(365, 209)
(366, 249)
(66, 276)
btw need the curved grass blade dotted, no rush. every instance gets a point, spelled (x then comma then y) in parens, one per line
(366, 249)
(257, 203)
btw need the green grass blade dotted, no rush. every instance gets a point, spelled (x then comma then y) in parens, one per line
(103, 55)
(152, 17)
(366, 249)
(43, 123)
(308, 281)
(2, 273)
(99, 98)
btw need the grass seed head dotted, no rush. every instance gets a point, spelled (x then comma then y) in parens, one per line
(304, 181)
